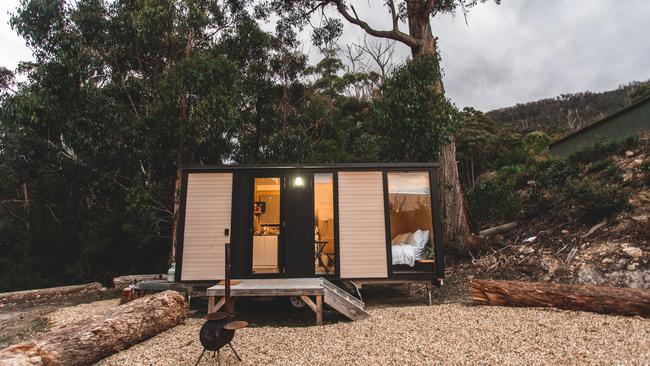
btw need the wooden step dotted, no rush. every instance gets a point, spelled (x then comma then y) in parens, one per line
(343, 302)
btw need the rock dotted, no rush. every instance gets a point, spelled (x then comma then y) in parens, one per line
(628, 176)
(526, 250)
(550, 264)
(631, 279)
(607, 261)
(633, 252)
(565, 231)
(629, 154)
(631, 267)
(589, 275)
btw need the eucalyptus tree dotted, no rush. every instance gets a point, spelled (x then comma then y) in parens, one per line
(121, 93)
(418, 36)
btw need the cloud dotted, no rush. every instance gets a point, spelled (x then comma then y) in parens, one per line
(515, 52)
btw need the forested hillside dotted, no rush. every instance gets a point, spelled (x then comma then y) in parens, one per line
(122, 93)
(568, 112)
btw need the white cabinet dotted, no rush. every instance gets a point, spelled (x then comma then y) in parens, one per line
(265, 251)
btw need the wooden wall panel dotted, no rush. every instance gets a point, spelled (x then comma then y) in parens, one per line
(362, 225)
(207, 216)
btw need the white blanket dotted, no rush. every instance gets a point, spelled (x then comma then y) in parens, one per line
(404, 254)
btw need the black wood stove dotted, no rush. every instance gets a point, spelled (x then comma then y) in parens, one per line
(219, 329)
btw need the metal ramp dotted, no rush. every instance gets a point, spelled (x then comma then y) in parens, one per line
(343, 302)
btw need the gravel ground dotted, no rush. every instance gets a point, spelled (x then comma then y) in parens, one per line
(408, 335)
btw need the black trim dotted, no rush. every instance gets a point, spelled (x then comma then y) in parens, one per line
(437, 225)
(337, 167)
(389, 249)
(246, 175)
(180, 231)
(239, 224)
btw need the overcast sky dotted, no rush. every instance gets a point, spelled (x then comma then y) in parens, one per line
(518, 51)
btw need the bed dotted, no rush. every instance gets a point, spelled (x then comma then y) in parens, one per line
(409, 247)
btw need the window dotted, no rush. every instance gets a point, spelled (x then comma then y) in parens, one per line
(324, 250)
(266, 225)
(411, 229)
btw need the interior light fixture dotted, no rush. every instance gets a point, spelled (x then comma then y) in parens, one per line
(298, 182)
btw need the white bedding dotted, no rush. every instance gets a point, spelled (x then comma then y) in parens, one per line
(409, 247)
(404, 254)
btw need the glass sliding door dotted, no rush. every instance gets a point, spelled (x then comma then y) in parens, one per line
(411, 224)
(324, 249)
(266, 224)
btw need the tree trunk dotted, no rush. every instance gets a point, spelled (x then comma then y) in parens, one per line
(599, 299)
(456, 228)
(183, 118)
(124, 281)
(46, 294)
(90, 339)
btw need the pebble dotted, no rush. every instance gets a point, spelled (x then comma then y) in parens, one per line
(633, 252)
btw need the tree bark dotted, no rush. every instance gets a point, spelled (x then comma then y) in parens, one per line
(498, 229)
(180, 155)
(95, 337)
(45, 294)
(599, 299)
(123, 281)
(456, 226)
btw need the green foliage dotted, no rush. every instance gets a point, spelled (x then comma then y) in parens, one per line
(412, 96)
(603, 150)
(586, 185)
(642, 91)
(494, 199)
(596, 200)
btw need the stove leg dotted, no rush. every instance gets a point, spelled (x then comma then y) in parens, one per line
(200, 357)
(233, 349)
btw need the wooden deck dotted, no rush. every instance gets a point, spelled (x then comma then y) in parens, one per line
(319, 288)
(271, 287)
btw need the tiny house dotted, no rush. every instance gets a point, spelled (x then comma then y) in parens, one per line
(360, 222)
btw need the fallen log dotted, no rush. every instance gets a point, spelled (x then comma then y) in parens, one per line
(123, 281)
(498, 229)
(599, 299)
(90, 339)
(44, 294)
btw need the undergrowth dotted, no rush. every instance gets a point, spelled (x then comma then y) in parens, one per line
(585, 185)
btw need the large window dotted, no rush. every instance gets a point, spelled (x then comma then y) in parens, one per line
(324, 250)
(411, 228)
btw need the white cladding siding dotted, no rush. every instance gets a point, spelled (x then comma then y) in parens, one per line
(362, 225)
(207, 215)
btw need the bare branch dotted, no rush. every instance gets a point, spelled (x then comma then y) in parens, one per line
(392, 34)
(381, 53)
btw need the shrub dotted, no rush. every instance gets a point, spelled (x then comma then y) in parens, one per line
(595, 200)
(494, 199)
(599, 150)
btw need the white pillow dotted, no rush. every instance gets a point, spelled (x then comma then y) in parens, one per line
(421, 238)
(401, 238)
